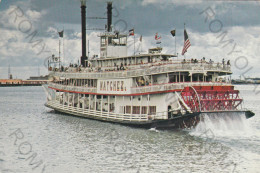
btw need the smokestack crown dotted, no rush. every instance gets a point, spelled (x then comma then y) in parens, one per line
(83, 2)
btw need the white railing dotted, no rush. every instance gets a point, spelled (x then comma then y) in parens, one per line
(173, 86)
(144, 69)
(108, 115)
(73, 88)
(143, 89)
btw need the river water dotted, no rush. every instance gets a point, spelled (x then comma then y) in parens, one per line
(33, 138)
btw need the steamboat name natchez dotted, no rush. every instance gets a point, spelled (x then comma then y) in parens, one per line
(147, 90)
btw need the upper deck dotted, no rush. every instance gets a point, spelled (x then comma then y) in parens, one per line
(142, 69)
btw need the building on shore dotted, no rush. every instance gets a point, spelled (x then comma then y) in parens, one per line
(10, 81)
(32, 81)
(39, 78)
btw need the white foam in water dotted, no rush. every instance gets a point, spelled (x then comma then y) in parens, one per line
(223, 125)
(154, 129)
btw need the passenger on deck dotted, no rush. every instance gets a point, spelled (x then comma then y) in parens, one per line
(121, 66)
(228, 62)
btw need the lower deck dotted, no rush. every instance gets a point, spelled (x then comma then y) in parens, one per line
(178, 121)
(99, 115)
(123, 108)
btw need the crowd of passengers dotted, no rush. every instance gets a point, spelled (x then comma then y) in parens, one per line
(203, 60)
(123, 67)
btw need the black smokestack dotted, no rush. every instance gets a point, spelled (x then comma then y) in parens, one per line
(84, 57)
(109, 16)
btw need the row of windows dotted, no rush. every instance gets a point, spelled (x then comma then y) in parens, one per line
(136, 109)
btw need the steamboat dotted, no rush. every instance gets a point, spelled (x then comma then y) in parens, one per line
(151, 90)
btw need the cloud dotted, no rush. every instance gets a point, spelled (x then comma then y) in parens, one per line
(209, 45)
(175, 2)
(34, 15)
(247, 43)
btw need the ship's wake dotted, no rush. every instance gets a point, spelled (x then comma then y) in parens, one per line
(223, 125)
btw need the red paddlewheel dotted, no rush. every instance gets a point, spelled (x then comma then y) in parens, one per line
(211, 98)
(191, 98)
(189, 123)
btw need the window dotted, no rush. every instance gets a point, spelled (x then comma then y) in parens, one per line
(123, 41)
(103, 41)
(144, 110)
(152, 110)
(136, 109)
(128, 109)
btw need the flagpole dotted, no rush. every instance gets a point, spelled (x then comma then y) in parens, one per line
(175, 41)
(184, 41)
(88, 48)
(59, 52)
(59, 46)
(63, 47)
(142, 44)
(134, 42)
(134, 45)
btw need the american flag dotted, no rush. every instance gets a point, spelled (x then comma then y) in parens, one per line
(186, 42)
(132, 32)
(157, 37)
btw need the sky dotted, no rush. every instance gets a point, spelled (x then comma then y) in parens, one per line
(216, 29)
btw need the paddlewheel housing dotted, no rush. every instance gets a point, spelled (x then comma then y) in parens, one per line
(211, 98)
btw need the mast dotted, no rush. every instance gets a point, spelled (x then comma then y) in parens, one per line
(175, 41)
(9, 72)
(88, 48)
(84, 57)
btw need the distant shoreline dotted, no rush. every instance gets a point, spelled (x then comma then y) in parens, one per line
(245, 83)
(18, 85)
